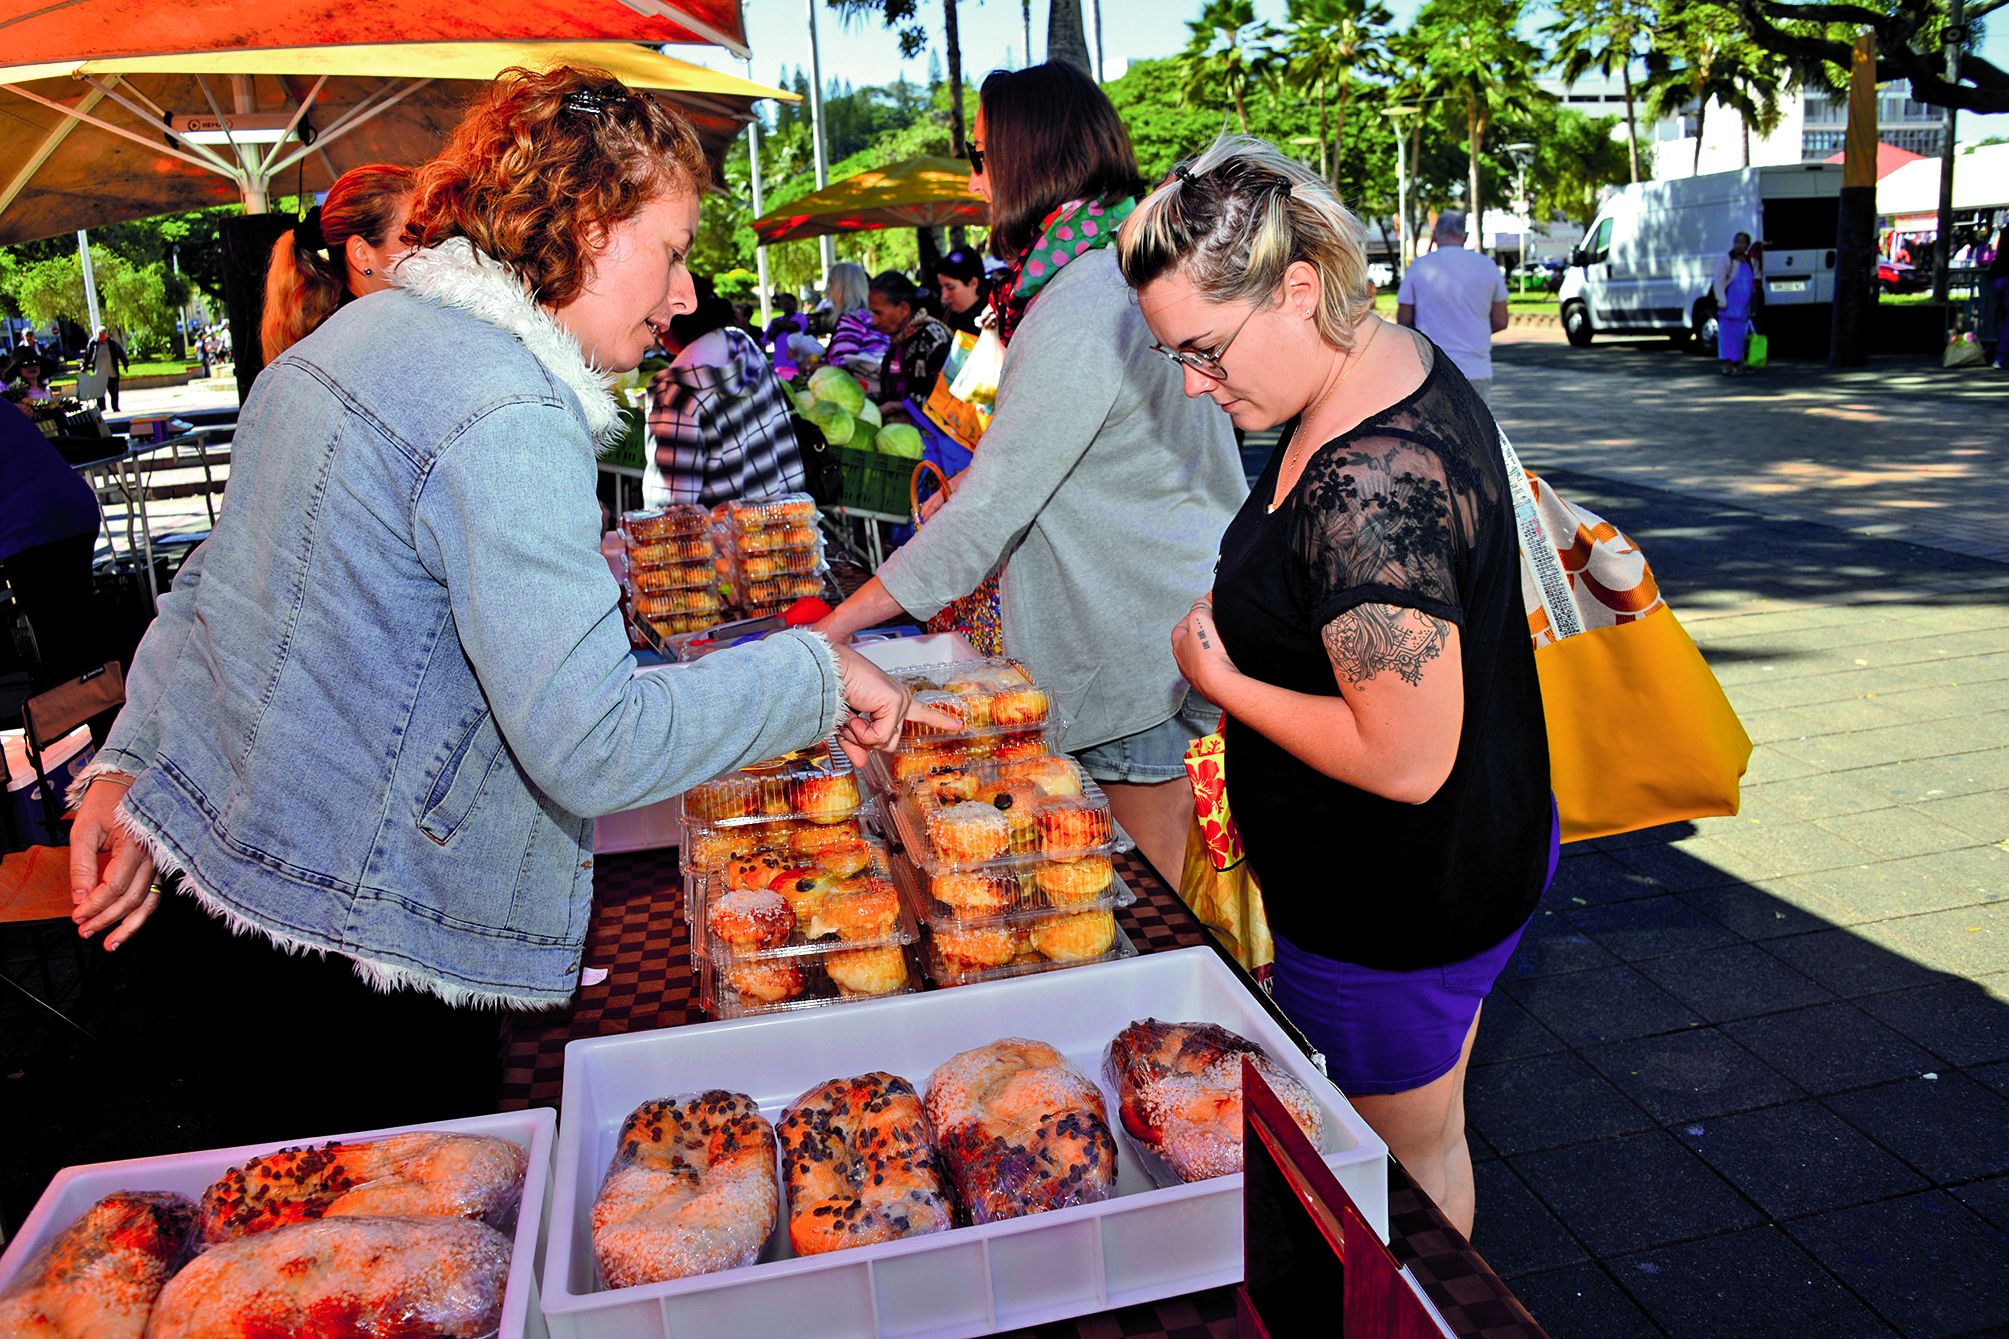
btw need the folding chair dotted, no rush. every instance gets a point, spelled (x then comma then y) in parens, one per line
(49, 716)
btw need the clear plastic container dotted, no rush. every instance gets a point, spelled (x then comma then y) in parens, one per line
(816, 785)
(1007, 825)
(804, 911)
(945, 970)
(1012, 896)
(781, 591)
(804, 536)
(671, 603)
(658, 523)
(646, 555)
(751, 515)
(805, 983)
(756, 567)
(994, 694)
(677, 625)
(702, 575)
(782, 844)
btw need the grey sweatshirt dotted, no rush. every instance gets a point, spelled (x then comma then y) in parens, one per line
(1107, 491)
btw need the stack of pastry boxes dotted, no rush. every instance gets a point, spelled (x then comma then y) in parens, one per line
(791, 902)
(773, 551)
(672, 569)
(1006, 844)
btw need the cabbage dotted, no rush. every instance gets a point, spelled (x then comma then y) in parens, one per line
(836, 425)
(899, 439)
(803, 399)
(838, 387)
(868, 413)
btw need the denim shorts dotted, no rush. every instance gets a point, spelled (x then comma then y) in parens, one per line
(1156, 754)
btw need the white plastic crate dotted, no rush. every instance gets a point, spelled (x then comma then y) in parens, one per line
(75, 1189)
(1142, 1244)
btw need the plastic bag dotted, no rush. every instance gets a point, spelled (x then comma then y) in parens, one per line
(1021, 1131)
(1963, 351)
(101, 1274)
(861, 1166)
(671, 1153)
(440, 1277)
(1179, 1092)
(420, 1174)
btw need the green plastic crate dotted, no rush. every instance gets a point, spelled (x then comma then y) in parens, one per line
(874, 481)
(629, 451)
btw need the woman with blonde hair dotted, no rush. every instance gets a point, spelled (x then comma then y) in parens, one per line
(1387, 763)
(343, 249)
(855, 336)
(371, 727)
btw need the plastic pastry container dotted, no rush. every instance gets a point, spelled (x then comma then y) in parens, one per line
(996, 695)
(785, 843)
(815, 978)
(676, 625)
(1011, 896)
(658, 523)
(755, 567)
(701, 575)
(644, 554)
(1144, 1242)
(1026, 961)
(669, 604)
(803, 913)
(1007, 826)
(780, 592)
(816, 785)
(758, 515)
(76, 1189)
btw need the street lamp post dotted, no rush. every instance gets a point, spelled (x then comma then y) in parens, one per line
(1408, 238)
(1519, 153)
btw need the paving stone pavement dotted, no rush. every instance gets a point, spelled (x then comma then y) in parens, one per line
(1749, 1076)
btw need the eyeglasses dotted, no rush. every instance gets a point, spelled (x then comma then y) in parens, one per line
(1207, 365)
(976, 161)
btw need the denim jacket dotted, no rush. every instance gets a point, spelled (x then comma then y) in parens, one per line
(382, 703)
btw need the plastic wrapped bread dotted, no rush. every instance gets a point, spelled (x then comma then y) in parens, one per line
(1179, 1089)
(1021, 1131)
(421, 1174)
(442, 1278)
(691, 1190)
(859, 1160)
(101, 1275)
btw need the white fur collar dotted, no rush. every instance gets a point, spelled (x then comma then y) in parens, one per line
(454, 274)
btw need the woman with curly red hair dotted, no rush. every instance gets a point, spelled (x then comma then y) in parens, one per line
(370, 729)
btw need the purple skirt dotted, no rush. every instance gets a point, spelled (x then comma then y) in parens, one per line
(1390, 1032)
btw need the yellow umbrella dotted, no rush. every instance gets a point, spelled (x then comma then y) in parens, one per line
(919, 193)
(102, 141)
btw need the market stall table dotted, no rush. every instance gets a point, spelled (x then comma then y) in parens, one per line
(640, 939)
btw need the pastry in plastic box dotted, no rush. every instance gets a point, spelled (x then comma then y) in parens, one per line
(1179, 1089)
(751, 918)
(819, 977)
(658, 523)
(815, 784)
(1073, 936)
(674, 577)
(758, 567)
(784, 589)
(441, 1277)
(766, 981)
(976, 948)
(993, 694)
(669, 603)
(100, 1276)
(693, 550)
(867, 971)
(419, 1174)
(804, 536)
(1070, 824)
(1074, 883)
(691, 1190)
(676, 625)
(969, 833)
(858, 1157)
(1021, 1131)
(756, 514)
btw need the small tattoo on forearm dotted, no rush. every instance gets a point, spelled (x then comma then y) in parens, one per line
(1375, 637)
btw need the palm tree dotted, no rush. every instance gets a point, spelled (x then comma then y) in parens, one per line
(903, 16)
(1477, 60)
(1327, 41)
(1606, 36)
(1065, 40)
(1701, 55)
(1228, 52)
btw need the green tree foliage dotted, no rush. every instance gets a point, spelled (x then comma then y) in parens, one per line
(1607, 36)
(1702, 54)
(1815, 40)
(1324, 44)
(1475, 58)
(904, 18)
(1229, 53)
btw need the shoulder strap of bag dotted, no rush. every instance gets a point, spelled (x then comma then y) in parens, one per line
(1538, 551)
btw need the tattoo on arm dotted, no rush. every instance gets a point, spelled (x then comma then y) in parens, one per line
(1363, 642)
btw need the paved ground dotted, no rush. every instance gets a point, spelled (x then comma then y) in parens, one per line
(1750, 1076)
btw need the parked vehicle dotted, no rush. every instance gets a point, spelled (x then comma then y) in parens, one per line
(1648, 263)
(1897, 276)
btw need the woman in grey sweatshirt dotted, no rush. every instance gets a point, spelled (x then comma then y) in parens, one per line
(1101, 488)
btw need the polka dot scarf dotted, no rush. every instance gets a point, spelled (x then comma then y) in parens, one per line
(1070, 231)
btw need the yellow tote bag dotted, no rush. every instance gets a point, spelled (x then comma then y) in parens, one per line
(1640, 733)
(1216, 881)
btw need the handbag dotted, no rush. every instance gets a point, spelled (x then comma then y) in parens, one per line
(1640, 733)
(1216, 882)
(822, 472)
(978, 615)
(1756, 348)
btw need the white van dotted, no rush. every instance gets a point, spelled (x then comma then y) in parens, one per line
(1648, 263)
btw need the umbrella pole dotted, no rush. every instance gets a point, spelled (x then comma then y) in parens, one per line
(828, 244)
(759, 252)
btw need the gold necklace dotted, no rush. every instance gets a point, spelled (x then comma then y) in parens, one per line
(1304, 421)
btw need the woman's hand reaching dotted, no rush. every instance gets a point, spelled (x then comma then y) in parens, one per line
(111, 871)
(879, 706)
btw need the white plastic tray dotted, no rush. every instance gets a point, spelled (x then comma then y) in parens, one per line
(75, 1189)
(1143, 1244)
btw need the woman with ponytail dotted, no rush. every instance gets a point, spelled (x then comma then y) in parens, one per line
(343, 249)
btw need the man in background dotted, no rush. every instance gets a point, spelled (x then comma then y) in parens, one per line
(1458, 299)
(107, 357)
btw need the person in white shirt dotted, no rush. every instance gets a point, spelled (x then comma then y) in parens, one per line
(1458, 299)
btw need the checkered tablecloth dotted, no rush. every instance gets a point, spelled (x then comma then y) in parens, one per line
(639, 937)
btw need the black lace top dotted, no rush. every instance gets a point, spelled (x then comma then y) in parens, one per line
(1409, 508)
